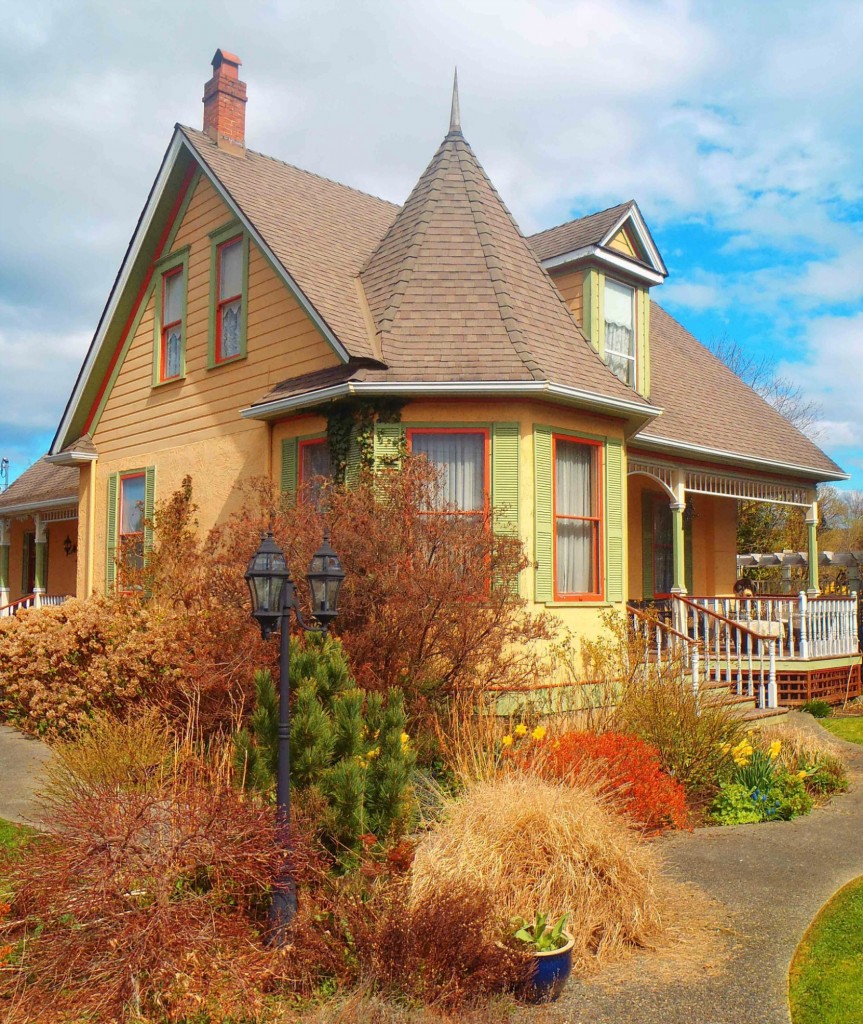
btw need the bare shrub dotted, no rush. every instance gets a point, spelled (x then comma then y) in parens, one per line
(146, 897)
(538, 845)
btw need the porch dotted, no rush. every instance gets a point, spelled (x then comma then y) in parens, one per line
(777, 650)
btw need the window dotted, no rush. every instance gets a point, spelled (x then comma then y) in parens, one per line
(576, 519)
(619, 305)
(131, 531)
(315, 467)
(171, 353)
(229, 300)
(460, 457)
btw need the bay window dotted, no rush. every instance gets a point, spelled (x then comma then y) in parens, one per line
(619, 312)
(577, 519)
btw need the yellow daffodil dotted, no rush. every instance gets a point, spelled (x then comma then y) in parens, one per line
(802, 774)
(372, 754)
(405, 739)
(507, 741)
(774, 748)
(521, 729)
(538, 733)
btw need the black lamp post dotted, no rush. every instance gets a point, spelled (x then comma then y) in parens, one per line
(274, 597)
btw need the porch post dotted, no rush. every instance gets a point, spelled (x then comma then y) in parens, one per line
(5, 540)
(813, 590)
(678, 547)
(41, 559)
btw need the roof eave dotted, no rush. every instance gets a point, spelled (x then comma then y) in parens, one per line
(610, 258)
(74, 459)
(37, 506)
(736, 458)
(633, 412)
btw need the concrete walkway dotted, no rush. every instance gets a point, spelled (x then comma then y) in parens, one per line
(769, 880)
(21, 762)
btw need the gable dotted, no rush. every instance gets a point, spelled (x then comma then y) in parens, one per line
(137, 414)
(623, 242)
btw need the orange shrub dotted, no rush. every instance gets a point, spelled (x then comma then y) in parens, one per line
(629, 769)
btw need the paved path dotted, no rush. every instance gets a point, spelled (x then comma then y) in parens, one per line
(771, 880)
(21, 762)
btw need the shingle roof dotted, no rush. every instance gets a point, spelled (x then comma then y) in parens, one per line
(42, 482)
(456, 293)
(576, 234)
(705, 404)
(322, 232)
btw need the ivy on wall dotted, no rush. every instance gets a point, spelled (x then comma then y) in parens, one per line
(353, 422)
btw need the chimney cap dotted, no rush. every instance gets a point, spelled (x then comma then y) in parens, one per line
(223, 57)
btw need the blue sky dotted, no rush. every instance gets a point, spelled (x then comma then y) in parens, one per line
(735, 125)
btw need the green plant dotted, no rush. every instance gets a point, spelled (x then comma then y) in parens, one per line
(541, 935)
(817, 708)
(733, 805)
(351, 757)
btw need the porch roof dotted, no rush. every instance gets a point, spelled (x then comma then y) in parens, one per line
(43, 485)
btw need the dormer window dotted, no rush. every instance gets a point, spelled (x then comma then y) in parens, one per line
(619, 311)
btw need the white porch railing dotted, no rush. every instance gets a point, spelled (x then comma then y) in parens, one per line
(740, 654)
(802, 627)
(668, 646)
(32, 601)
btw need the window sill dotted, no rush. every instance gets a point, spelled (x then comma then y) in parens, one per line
(226, 362)
(587, 603)
(170, 380)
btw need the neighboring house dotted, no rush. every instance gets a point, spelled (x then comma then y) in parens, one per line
(256, 300)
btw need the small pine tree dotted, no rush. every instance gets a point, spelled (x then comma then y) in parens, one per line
(347, 746)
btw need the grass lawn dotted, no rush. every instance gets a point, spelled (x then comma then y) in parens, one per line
(826, 978)
(850, 729)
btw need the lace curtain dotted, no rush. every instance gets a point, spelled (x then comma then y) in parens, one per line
(575, 537)
(461, 460)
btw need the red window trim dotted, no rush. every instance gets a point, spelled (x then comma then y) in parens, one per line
(486, 488)
(124, 477)
(220, 303)
(598, 573)
(301, 445)
(163, 354)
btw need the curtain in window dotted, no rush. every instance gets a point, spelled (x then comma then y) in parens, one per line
(575, 537)
(231, 286)
(620, 330)
(172, 352)
(460, 458)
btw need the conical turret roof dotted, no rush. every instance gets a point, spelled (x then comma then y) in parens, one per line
(456, 293)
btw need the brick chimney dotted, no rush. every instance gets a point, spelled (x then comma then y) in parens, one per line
(225, 104)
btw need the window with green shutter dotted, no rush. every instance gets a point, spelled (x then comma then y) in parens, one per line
(615, 498)
(129, 523)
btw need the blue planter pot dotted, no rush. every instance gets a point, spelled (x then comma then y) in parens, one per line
(550, 973)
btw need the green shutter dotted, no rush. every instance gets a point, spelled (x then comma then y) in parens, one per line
(543, 489)
(111, 534)
(614, 497)
(504, 479)
(647, 583)
(149, 506)
(389, 445)
(354, 460)
(289, 467)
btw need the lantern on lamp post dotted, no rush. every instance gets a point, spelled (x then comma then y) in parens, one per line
(274, 598)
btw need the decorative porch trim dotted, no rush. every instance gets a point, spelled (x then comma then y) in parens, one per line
(722, 485)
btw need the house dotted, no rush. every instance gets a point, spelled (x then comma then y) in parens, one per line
(258, 301)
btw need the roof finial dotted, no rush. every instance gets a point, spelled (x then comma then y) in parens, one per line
(455, 113)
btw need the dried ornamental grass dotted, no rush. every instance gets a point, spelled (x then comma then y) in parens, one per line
(543, 846)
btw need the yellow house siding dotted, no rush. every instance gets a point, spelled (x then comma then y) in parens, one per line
(623, 243)
(570, 284)
(193, 426)
(282, 341)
